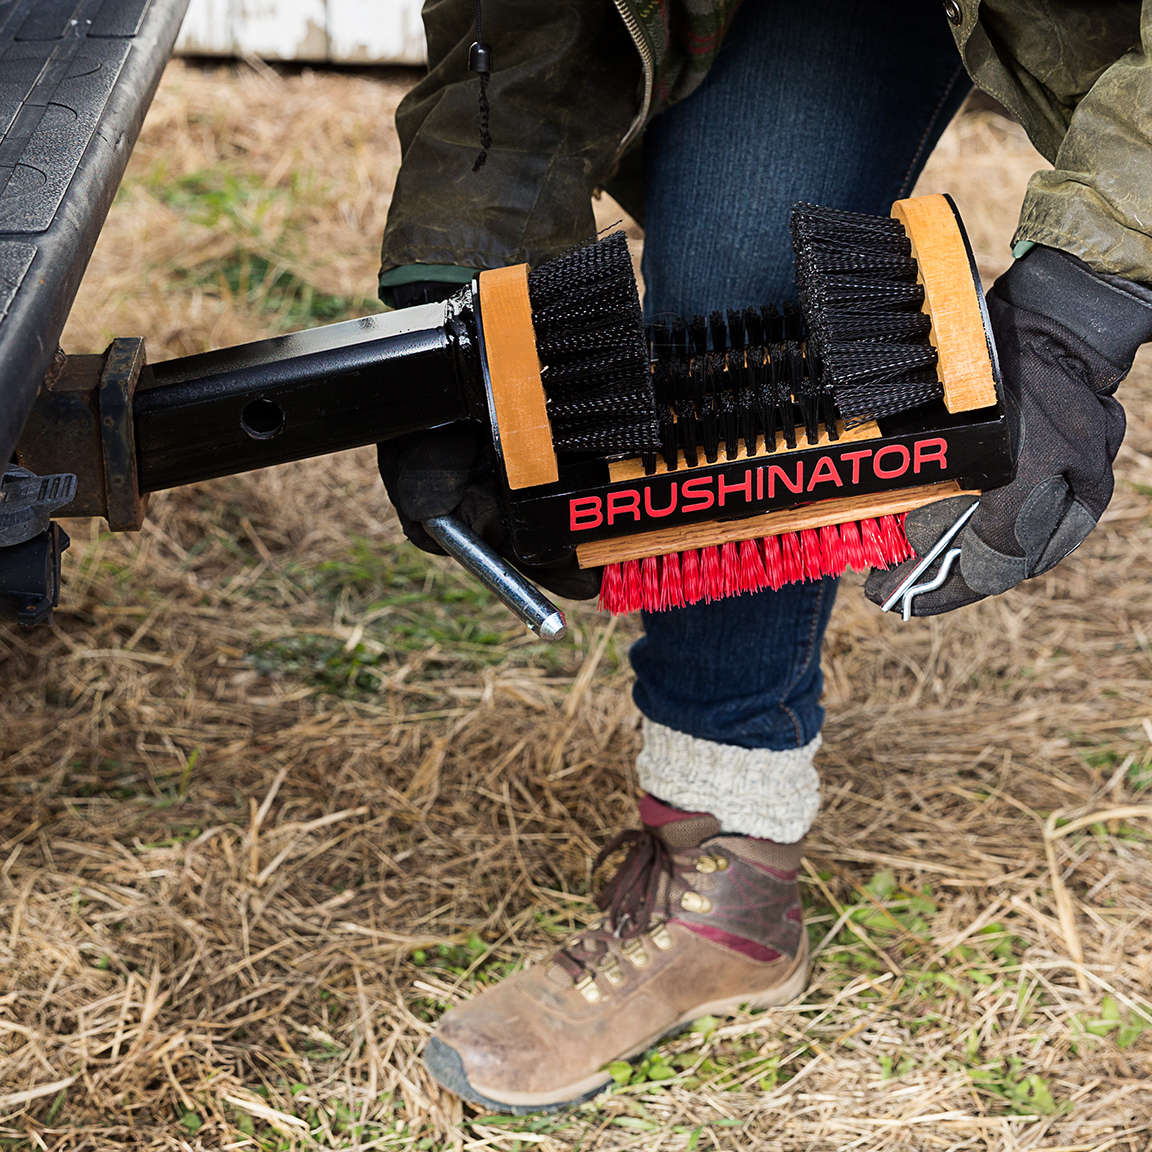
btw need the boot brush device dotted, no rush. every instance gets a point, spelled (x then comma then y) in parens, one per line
(696, 460)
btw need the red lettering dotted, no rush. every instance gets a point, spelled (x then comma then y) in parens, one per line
(890, 473)
(824, 472)
(921, 455)
(697, 488)
(626, 503)
(856, 457)
(759, 483)
(659, 511)
(585, 513)
(775, 470)
(723, 487)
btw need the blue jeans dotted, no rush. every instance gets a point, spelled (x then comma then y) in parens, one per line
(838, 102)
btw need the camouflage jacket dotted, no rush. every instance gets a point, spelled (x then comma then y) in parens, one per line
(577, 80)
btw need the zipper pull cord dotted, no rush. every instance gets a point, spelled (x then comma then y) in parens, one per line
(480, 60)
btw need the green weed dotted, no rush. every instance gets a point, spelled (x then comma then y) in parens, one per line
(268, 221)
(471, 961)
(418, 607)
(1021, 1094)
(1125, 1030)
(265, 284)
(319, 660)
(891, 1068)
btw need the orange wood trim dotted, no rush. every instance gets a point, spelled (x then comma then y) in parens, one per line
(518, 399)
(633, 468)
(665, 540)
(950, 300)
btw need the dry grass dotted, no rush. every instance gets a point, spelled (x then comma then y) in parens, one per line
(276, 788)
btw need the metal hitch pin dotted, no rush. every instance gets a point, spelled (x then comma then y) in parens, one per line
(498, 576)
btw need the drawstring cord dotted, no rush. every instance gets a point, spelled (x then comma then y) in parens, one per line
(480, 60)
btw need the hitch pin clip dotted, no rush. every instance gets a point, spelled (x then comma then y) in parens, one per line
(908, 589)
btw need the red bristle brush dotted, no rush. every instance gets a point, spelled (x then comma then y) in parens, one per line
(752, 565)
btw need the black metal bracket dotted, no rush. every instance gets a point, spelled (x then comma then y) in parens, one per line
(82, 423)
(30, 545)
(124, 505)
(30, 577)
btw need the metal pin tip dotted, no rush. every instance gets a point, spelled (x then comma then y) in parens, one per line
(553, 627)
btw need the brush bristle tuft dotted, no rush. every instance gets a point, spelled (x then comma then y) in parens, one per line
(590, 340)
(867, 336)
(690, 575)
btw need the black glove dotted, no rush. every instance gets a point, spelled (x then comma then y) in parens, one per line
(447, 471)
(1066, 336)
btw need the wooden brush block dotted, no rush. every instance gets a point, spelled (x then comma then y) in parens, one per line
(951, 301)
(633, 469)
(519, 408)
(681, 539)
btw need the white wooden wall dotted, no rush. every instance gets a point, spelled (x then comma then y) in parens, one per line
(335, 31)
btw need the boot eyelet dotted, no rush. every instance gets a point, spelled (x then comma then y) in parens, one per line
(661, 937)
(613, 973)
(709, 864)
(694, 902)
(721, 864)
(634, 951)
(587, 988)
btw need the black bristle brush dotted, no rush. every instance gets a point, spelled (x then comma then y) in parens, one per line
(589, 338)
(867, 335)
(857, 350)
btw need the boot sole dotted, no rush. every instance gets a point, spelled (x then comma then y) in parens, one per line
(447, 1069)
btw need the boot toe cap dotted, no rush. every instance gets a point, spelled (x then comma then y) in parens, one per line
(447, 1068)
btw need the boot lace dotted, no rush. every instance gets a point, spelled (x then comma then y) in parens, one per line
(629, 899)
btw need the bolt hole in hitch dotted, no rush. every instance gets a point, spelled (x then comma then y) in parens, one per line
(262, 419)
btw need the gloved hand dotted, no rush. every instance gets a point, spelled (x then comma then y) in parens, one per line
(1066, 336)
(446, 471)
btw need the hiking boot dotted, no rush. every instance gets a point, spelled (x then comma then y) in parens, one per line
(697, 923)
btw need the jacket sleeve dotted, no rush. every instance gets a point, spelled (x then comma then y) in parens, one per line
(1097, 201)
(565, 87)
(1078, 75)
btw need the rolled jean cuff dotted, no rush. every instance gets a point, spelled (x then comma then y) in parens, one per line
(751, 791)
